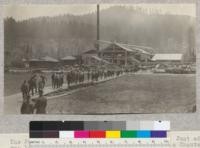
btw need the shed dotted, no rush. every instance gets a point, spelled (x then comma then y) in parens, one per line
(174, 57)
(68, 60)
(44, 62)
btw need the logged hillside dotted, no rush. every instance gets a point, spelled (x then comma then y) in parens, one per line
(71, 34)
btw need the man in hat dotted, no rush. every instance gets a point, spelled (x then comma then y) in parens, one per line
(25, 89)
(27, 107)
(40, 103)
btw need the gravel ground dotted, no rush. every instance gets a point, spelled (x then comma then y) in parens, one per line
(140, 93)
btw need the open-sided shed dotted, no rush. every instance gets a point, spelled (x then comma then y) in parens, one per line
(44, 62)
(68, 60)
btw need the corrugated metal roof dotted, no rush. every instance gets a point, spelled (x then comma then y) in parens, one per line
(68, 58)
(168, 57)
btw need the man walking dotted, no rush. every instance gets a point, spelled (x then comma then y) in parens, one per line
(44, 79)
(53, 80)
(27, 107)
(41, 103)
(25, 89)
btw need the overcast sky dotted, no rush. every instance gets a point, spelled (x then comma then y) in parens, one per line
(21, 12)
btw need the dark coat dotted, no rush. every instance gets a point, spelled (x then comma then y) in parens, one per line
(27, 108)
(40, 105)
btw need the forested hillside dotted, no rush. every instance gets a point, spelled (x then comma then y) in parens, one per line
(71, 34)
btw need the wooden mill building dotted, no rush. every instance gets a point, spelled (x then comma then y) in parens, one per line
(124, 54)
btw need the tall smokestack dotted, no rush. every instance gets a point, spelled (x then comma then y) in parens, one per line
(98, 31)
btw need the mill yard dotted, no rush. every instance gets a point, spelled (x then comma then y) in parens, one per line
(131, 93)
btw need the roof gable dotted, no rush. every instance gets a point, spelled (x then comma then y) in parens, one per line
(128, 48)
(49, 59)
(68, 58)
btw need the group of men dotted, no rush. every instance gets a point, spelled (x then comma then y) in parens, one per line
(75, 77)
(33, 85)
(37, 82)
(30, 87)
(37, 106)
(57, 79)
(79, 76)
